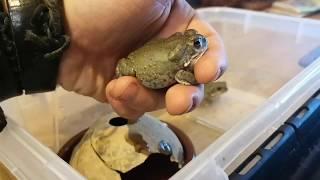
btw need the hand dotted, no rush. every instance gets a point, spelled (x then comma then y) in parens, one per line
(104, 31)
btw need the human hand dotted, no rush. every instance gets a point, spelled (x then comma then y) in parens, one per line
(102, 32)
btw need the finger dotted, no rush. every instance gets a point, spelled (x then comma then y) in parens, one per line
(129, 90)
(180, 15)
(214, 62)
(124, 111)
(181, 99)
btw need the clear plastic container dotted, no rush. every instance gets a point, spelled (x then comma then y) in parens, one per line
(266, 85)
(26, 158)
(54, 117)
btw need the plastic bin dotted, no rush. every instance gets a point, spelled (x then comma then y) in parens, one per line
(266, 81)
(292, 152)
(26, 158)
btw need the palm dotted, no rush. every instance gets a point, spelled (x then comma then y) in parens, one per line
(104, 31)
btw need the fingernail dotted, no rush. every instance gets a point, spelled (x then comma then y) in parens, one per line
(129, 93)
(194, 104)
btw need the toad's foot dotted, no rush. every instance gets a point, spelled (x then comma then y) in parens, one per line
(185, 78)
(125, 68)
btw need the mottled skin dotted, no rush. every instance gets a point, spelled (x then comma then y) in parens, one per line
(163, 62)
(214, 89)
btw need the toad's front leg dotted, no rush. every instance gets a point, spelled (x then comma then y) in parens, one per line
(186, 78)
(125, 68)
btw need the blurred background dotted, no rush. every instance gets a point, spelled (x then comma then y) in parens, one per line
(298, 8)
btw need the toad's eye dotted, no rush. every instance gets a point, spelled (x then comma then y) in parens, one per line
(197, 43)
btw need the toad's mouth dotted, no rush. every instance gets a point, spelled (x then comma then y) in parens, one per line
(194, 59)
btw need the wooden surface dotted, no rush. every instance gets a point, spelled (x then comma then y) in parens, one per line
(5, 174)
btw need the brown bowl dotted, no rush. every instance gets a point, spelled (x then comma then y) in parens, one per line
(156, 166)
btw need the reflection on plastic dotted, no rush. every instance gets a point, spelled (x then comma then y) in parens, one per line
(250, 165)
(274, 141)
(310, 57)
(209, 170)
